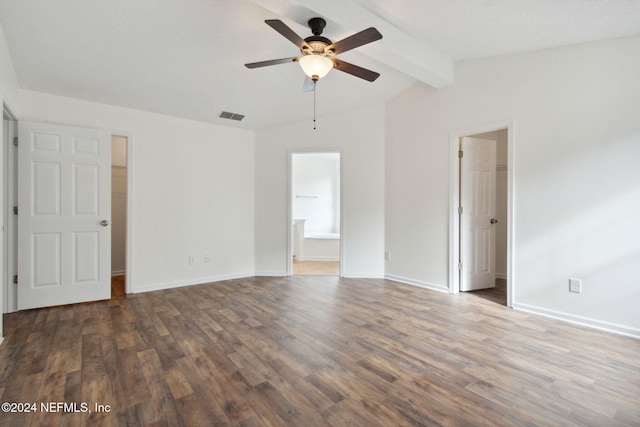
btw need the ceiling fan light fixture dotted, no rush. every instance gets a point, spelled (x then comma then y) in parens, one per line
(315, 66)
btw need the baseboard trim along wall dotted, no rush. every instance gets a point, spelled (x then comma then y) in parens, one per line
(199, 281)
(417, 283)
(363, 276)
(579, 320)
(270, 274)
(317, 258)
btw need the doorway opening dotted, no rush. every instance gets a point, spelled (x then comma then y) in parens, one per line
(118, 215)
(481, 212)
(315, 214)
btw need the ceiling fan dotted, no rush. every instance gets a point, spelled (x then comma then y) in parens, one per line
(318, 53)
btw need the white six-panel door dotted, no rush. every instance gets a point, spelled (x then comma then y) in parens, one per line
(64, 201)
(477, 232)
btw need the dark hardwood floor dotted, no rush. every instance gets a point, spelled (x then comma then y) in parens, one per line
(118, 286)
(314, 351)
(497, 294)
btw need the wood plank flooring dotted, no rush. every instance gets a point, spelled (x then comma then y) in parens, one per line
(497, 294)
(316, 268)
(314, 351)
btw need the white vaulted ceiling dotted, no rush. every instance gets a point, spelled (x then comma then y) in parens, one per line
(186, 58)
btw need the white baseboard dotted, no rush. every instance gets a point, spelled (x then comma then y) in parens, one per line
(579, 320)
(363, 275)
(191, 282)
(270, 274)
(501, 276)
(418, 283)
(317, 258)
(118, 273)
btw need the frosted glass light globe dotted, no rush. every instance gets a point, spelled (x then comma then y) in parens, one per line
(315, 65)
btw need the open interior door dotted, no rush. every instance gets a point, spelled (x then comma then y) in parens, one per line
(477, 232)
(64, 215)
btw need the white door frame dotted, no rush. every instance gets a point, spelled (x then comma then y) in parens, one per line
(454, 197)
(290, 154)
(9, 255)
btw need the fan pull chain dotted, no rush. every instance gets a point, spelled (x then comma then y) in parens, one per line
(314, 103)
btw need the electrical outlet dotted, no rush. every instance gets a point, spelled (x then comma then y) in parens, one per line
(192, 260)
(575, 285)
(387, 255)
(207, 259)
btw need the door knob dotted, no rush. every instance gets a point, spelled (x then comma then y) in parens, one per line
(493, 220)
(105, 222)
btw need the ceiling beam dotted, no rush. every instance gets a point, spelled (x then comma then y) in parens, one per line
(397, 49)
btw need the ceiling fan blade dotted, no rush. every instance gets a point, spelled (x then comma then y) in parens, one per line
(287, 32)
(309, 85)
(354, 70)
(270, 62)
(358, 39)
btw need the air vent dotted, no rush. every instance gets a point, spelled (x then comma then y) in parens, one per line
(231, 116)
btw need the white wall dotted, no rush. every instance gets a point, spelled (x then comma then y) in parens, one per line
(359, 136)
(192, 190)
(8, 80)
(576, 175)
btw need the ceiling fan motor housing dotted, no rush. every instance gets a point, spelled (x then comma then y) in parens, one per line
(316, 41)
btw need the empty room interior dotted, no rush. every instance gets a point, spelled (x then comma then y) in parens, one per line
(320, 213)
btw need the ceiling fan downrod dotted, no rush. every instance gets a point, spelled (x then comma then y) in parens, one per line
(316, 25)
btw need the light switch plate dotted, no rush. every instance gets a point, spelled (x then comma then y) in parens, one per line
(575, 285)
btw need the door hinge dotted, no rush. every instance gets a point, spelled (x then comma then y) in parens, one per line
(15, 141)
(459, 266)
(459, 210)
(460, 154)
(15, 279)
(15, 210)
